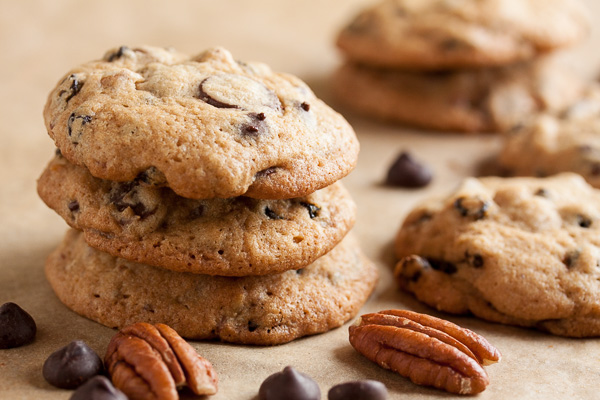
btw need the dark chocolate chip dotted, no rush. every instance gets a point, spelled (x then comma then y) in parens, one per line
(541, 192)
(358, 390)
(196, 212)
(570, 259)
(412, 267)
(117, 54)
(300, 271)
(123, 197)
(252, 326)
(72, 365)
(209, 100)
(477, 261)
(152, 177)
(442, 266)
(406, 172)
(58, 153)
(256, 126)
(583, 221)
(73, 206)
(17, 327)
(272, 214)
(595, 169)
(471, 207)
(305, 106)
(265, 172)
(75, 88)
(82, 119)
(313, 211)
(289, 384)
(98, 388)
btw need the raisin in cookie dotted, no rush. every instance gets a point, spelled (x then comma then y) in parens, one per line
(442, 34)
(233, 237)
(268, 309)
(522, 251)
(206, 126)
(549, 145)
(482, 100)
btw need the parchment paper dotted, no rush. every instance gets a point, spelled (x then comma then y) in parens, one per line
(41, 41)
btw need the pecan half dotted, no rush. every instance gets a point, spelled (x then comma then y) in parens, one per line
(427, 350)
(152, 361)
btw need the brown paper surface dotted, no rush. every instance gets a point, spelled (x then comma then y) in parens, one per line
(40, 41)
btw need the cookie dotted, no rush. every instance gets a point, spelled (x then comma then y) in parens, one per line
(479, 100)
(206, 126)
(521, 251)
(232, 237)
(550, 144)
(442, 34)
(264, 310)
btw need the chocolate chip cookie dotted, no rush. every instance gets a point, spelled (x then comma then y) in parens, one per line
(551, 144)
(268, 309)
(141, 222)
(442, 34)
(206, 126)
(480, 100)
(522, 251)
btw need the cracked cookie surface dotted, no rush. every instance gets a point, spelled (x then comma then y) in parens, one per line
(266, 310)
(522, 251)
(443, 34)
(239, 236)
(206, 126)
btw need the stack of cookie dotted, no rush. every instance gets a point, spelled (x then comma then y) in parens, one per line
(203, 194)
(471, 66)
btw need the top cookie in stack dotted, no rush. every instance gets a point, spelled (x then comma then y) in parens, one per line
(199, 185)
(469, 65)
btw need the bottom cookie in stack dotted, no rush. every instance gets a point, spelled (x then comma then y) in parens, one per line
(265, 310)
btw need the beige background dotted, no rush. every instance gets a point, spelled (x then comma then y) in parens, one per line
(40, 41)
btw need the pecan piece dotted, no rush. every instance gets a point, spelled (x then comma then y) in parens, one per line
(427, 350)
(152, 361)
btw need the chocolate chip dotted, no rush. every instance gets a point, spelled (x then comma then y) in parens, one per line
(237, 92)
(313, 211)
(152, 177)
(595, 169)
(571, 258)
(472, 207)
(358, 390)
(541, 192)
(272, 214)
(583, 221)
(406, 172)
(58, 153)
(265, 172)
(98, 388)
(289, 384)
(117, 54)
(477, 261)
(72, 365)
(305, 106)
(77, 121)
(442, 266)
(252, 326)
(124, 196)
(196, 212)
(17, 327)
(75, 88)
(256, 126)
(73, 206)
